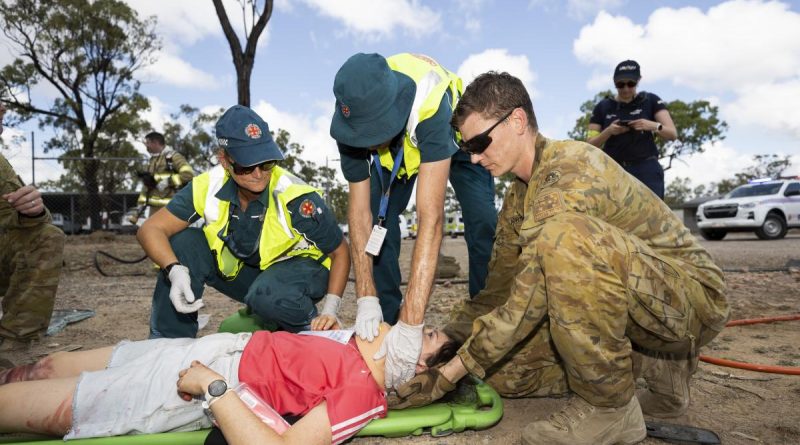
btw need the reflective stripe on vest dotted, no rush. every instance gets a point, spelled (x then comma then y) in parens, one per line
(432, 81)
(278, 240)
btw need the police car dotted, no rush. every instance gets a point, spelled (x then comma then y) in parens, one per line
(768, 207)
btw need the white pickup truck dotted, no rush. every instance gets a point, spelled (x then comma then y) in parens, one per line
(768, 207)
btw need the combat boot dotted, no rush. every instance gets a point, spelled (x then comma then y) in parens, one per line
(580, 423)
(667, 394)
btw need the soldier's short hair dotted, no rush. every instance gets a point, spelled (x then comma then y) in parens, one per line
(494, 94)
(155, 136)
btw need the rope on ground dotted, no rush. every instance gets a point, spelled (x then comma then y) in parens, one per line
(99, 253)
(788, 370)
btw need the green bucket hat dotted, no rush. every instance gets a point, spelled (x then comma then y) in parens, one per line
(372, 101)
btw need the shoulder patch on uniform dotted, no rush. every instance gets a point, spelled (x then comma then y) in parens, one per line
(547, 205)
(307, 208)
(551, 178)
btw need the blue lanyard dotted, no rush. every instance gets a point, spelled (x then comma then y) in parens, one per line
(398, 159)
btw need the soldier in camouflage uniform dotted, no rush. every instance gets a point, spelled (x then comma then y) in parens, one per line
(592, 281)
(167, 172)
(30, 262)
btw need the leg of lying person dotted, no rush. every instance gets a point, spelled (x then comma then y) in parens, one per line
(286, 292)
(43, 407)
(59, 365)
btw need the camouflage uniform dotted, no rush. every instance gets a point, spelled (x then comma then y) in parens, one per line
(30, 265)
(587, 261)
(167, 164)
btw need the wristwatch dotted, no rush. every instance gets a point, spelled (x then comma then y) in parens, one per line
(169, 267)
(658, 128)
(215, 390)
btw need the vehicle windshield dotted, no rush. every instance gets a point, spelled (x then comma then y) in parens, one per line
(767, 188)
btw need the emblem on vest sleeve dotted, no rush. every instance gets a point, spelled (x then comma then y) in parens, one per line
(345, 110)
(252, 131)
(551, 178)
(307, 208)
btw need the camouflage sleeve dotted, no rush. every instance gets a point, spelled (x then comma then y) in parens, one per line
(183, 171)
(502, 266)
(496, 333)
(10, 218)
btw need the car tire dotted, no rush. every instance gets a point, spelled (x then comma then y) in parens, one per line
(713, 235)
(774, 227)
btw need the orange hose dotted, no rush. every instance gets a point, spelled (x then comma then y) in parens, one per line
(789, 370)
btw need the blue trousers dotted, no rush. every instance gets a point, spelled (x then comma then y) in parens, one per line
(284, 293)
(650, 173)
(474, 189)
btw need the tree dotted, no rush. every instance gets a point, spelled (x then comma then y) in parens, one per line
(244, 60)
(697, 124)
(87, 53)
(191, 133)
(764, 166)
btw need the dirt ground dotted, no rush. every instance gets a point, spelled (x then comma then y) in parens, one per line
(742, 407)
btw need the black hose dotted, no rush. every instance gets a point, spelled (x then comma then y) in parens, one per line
(117, 259)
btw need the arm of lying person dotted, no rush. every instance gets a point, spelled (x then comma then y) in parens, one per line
(240, 425)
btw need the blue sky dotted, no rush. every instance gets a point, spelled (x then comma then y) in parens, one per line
(743, 56)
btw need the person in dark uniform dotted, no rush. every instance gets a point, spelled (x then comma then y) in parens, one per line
(268, 240)
(626, 126)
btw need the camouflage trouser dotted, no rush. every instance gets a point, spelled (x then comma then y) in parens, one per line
(605, 290)
(30, 267)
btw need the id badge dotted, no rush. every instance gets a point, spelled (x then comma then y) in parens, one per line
(375, 241)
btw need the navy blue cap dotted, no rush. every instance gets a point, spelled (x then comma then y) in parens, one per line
(246, 137)
(372, 101)
(627, 69)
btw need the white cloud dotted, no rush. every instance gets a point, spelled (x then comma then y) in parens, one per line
(717, 162)
(378, 19)
(744, 50)
(173, 70)
(310, 131)
(734, 45)
(498, 59)
(773, 106)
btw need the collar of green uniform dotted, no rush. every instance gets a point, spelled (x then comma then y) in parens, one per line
(541, 142)
(230, 192)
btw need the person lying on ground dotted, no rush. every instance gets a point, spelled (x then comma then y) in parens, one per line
(131, 388)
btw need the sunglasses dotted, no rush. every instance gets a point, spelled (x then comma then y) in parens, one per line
(264, 167)
(629, 84)
(479, 143)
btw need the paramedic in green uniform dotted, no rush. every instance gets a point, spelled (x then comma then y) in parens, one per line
(392, 125)
(267, 240)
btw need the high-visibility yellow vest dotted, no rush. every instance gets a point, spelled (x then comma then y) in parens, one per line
(432, 80)
(279, 240)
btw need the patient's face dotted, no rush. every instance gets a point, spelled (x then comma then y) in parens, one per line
(432, 341)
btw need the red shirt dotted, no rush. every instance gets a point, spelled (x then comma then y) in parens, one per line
(294, 373)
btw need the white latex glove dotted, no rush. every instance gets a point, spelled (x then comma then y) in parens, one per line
(402, 348)
(368, 318)
(180, 291)
(163, 184)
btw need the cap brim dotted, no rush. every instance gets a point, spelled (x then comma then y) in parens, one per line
(627, 77)
(249, 155)
(382, 128)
